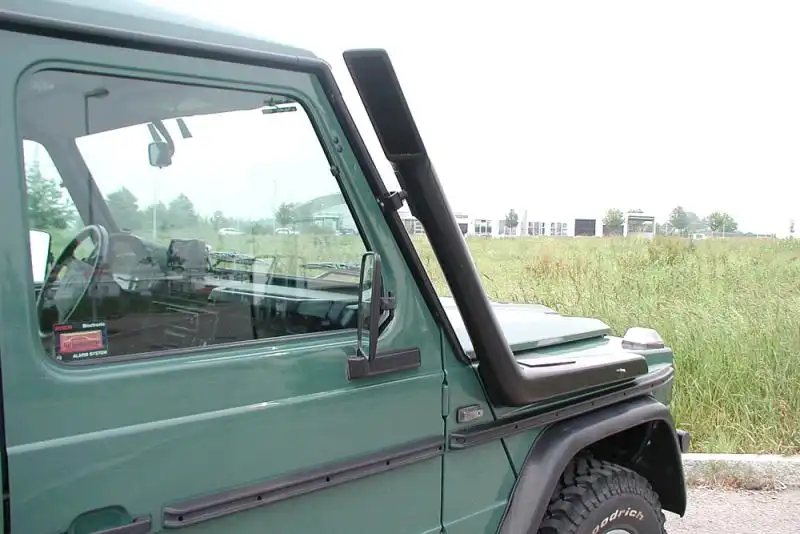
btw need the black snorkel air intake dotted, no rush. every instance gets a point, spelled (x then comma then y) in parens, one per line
(380, 91)
(507, 381)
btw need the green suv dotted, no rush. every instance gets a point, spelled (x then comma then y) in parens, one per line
(214, 319)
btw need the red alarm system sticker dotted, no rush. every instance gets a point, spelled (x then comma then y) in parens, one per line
(80, 340)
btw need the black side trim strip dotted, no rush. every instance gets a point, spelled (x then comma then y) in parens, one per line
(383, 363)
(199, 510)
(140, 525)
(483, 433)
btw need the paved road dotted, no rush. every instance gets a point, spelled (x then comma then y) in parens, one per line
(738, 512)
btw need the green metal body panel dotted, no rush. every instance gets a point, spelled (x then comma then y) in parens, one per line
(468, 507)
(93, 447)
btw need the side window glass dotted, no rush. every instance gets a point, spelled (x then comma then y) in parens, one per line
(50, 208)
(204, 217)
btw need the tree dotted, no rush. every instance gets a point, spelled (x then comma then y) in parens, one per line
(696, 224)
(791, 227)
(180, 212)
(613, 222)
(679, 219)
(47, 207)
(124, 207)
(218, 220)
(512, 219)
(286, 213)
(162, 217)
(722, 222)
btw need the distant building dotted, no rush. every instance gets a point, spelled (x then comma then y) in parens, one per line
(328, 211)
(412, 225)
(558, 229)
(486, 225)
(536, 228)
(585, 227)
(639, 225)
(462, 219)
(482, 227)
(334, 218)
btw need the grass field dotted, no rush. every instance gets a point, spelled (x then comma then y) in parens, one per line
(730, 309)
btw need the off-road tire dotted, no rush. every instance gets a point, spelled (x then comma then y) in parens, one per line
(597, 497)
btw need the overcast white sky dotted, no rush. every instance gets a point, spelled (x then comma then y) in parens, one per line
(568, 108)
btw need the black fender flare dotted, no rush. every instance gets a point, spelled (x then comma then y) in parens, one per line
(558, 444)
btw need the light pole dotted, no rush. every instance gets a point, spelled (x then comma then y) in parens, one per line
(155, 207)
(100, 92)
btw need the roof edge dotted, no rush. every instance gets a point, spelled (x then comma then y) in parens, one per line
(141, 18)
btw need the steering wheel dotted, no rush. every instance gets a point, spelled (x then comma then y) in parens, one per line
(74, 276)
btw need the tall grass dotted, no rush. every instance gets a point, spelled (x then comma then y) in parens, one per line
(729, 308)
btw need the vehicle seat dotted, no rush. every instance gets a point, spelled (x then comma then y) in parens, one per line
(188, 256)
(188, 259)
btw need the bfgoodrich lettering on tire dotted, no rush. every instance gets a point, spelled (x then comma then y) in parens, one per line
(597, 497)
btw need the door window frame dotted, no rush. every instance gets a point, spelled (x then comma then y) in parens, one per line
(314, 115)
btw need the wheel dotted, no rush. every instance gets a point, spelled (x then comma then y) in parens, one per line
(597, 497)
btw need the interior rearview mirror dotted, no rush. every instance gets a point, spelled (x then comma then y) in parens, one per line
(159, 154)
(40, 255)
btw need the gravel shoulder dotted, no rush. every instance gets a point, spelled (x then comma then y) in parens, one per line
(712, 511)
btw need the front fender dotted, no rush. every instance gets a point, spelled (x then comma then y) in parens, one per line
(558, 444)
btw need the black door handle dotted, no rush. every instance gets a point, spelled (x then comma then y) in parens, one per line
(140, 525)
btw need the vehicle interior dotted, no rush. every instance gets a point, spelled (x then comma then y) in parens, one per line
(154, 296)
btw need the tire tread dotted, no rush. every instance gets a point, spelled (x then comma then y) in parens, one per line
(585, 485)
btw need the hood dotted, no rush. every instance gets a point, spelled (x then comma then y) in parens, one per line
(529, 326)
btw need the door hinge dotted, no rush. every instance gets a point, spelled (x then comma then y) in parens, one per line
(445, 400)
(393, 201)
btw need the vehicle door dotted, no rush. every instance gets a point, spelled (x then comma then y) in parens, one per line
(172, 376)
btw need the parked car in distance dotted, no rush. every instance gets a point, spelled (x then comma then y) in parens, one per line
(230, 231)
(285, 231)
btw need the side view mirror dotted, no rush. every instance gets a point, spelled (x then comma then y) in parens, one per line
(159, 154)
(373, 308)
(369, 304)
(41, 257)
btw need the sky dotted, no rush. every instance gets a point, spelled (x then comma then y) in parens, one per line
(566, 109)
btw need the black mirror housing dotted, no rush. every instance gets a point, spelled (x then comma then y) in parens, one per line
(372, 304)
(369, 304)
(159, 154)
